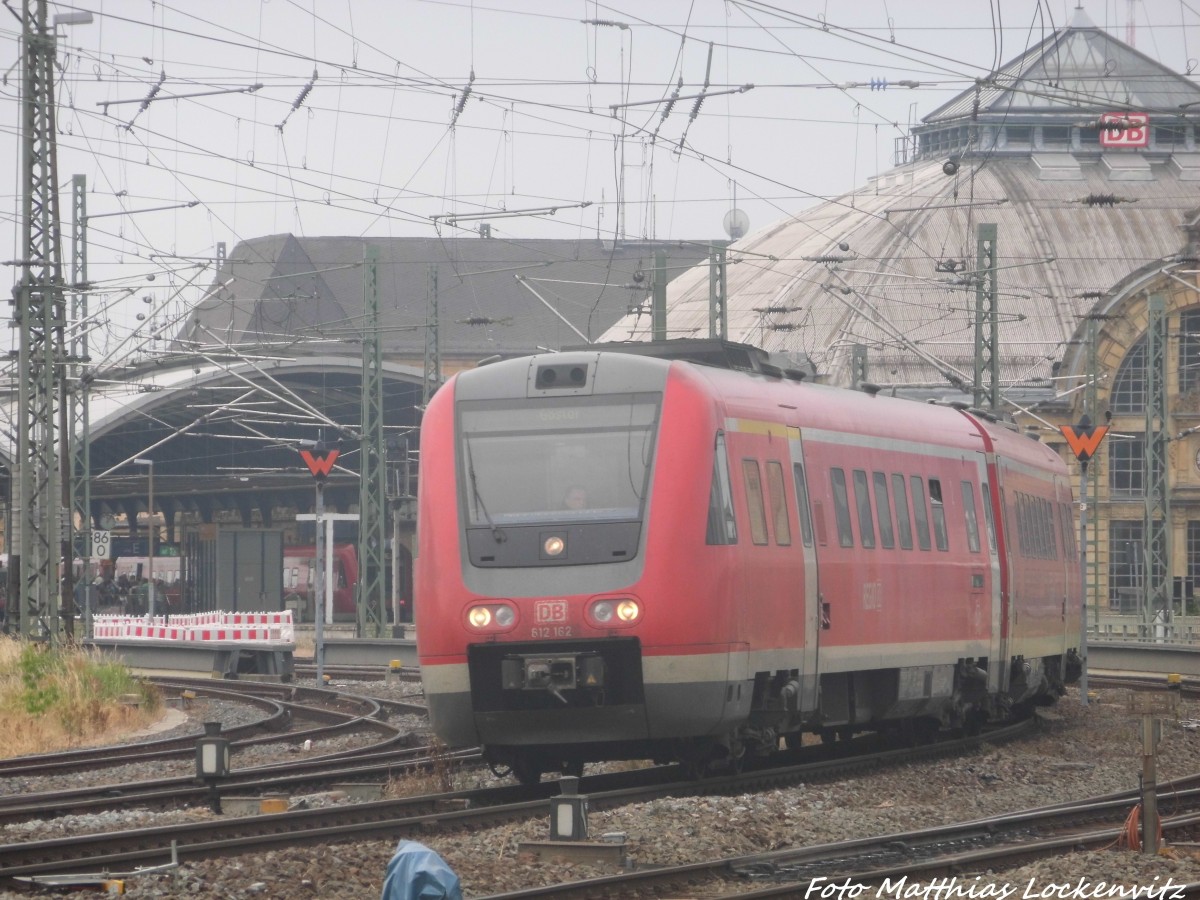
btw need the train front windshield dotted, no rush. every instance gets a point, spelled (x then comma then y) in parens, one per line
(569, 459)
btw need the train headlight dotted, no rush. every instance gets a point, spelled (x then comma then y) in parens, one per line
(495, 616)
(554, 546)
(615, 611)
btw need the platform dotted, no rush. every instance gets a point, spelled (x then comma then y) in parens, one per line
(1144, 656)
(352, 651)
(191, 659)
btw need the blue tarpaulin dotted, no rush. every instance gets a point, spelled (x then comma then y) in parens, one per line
(418, 873)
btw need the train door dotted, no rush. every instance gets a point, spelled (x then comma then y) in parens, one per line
(812, 597)
(998, 670)
(997, 604)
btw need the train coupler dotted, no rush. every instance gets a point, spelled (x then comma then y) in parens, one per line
(553, 674)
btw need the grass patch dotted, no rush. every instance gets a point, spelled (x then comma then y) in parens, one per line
(306, 646)
(436, 778)
(54, 698)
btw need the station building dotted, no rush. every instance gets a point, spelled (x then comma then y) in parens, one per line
(223, 397)
(1049, 204)
(1056, 205)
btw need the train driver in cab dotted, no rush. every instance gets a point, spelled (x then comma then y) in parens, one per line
(575, 498)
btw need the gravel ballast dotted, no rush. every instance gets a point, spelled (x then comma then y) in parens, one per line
(1081, 752)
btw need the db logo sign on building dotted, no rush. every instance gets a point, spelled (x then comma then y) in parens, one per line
(1134, 130)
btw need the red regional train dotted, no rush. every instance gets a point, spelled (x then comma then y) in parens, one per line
(299, 570)
(625, 555)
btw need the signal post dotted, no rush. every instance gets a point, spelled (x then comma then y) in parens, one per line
(1084, 440)
(320, 460)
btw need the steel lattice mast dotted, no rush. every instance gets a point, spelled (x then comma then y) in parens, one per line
(78, 478)
(39, 314)
(372, 526)
(1157, 521)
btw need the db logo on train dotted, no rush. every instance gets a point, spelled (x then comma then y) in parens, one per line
(549, 612)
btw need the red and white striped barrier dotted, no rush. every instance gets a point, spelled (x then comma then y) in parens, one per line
(266, 627)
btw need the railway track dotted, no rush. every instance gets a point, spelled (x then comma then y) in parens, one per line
(416, 816)
(284, 709)
(888, 861)
(411, 674)
(323, 715)
(751, 876)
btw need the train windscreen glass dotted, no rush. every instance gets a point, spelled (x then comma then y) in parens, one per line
(569, 459)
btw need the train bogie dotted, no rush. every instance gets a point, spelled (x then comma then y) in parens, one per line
(630, 557)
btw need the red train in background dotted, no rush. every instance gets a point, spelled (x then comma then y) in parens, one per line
(624, 554)
(299, 570)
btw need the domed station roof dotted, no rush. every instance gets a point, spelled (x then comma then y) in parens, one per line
(1081, 152)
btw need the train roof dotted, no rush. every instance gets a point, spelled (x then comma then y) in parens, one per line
(728, 367)
(826, 407)
(722, 354)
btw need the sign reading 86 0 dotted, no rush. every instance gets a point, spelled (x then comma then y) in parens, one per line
(101, 544)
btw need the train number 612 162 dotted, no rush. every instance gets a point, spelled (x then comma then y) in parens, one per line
(550, 631)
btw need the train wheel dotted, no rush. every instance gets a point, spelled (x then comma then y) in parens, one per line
(973, 722)
(833, 735)
(924, 730)
(695, 759)
(737, 764)
(736, 761)
(526, 771)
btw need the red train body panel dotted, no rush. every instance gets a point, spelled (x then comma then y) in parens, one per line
(300, 568)
(758, 558)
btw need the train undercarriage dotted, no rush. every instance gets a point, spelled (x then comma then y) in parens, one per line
(594, 692)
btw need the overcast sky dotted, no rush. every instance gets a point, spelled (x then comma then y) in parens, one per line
(372, 117)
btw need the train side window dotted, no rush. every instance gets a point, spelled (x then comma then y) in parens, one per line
(1039, 514)
(938, 510)
(1056, 518)
(1064, 530)
(988, 518)
(920, 511)
(968, 493)
(903, 520)
(1025, 518)
(862, 501)
(754, 501)
(722, 527)
(1035, 520)
(1051, 540)
(841, 507)
(1069, 531)
(777, 494)
(1004, 523)
(883, 511)
(1023, 526)
(806, 532)
(1020, 525)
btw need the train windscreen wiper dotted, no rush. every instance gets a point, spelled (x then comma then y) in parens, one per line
(497, 532)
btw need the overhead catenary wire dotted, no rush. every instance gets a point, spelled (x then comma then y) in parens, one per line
(295, 189)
